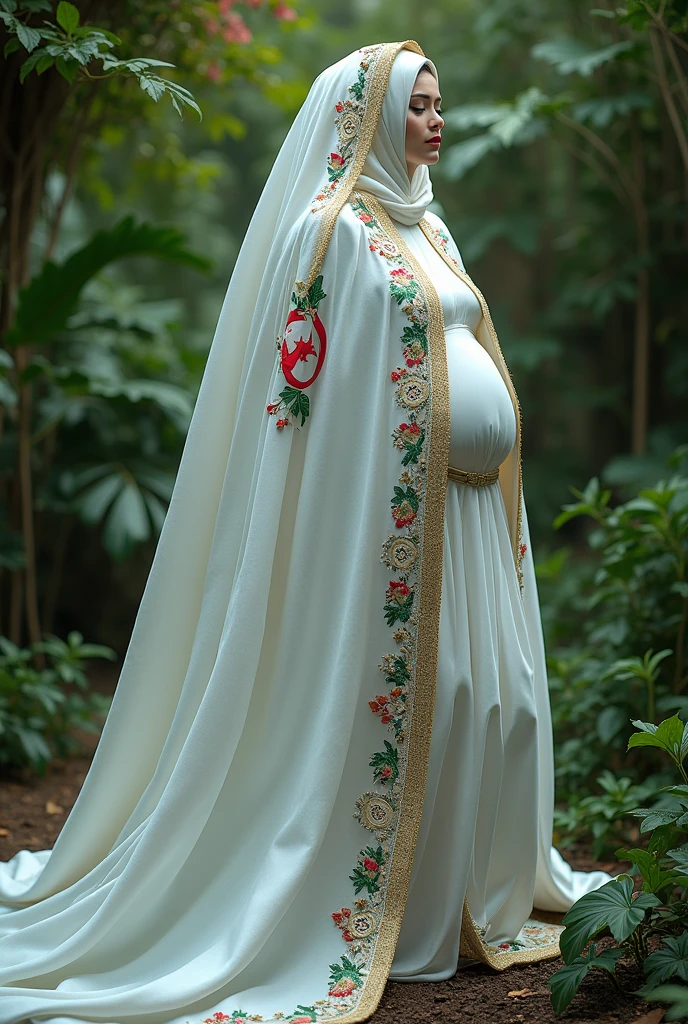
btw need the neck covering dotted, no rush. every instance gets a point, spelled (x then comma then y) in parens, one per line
(242, 845)
(384, 172)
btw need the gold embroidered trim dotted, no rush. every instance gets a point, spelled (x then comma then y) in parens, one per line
(378, 88)
(464, 476)
(471, 944)
(429, 232)
(418, 751)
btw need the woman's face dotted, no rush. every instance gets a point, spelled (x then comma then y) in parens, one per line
(423, 123)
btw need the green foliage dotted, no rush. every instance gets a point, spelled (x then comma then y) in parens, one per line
(70, 48)
(607, 816)
(85, 372)
(566, 982)
(41, 708)
(633, 914)
(619, 647)
(46, 303)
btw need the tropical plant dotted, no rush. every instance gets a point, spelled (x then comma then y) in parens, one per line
(40, 708)
(618, 645)
(638, 914)
(66, 77)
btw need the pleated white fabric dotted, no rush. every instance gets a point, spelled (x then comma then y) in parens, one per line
(486, 829)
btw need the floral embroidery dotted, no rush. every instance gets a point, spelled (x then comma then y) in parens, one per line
(345, 977)
(409, 438)
(534, 934)
(399, 600)
(349, 114)
(356, 924)
(401, 552)
(367, 871)
(293, 399)
(444, 241)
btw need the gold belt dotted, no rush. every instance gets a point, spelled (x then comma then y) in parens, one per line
(474, 479)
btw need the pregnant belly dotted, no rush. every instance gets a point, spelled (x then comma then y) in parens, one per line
(482, 417)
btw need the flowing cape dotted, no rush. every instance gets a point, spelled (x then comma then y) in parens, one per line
(242, 846)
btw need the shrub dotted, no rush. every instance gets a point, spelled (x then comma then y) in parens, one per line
(41, 708)
(655, 908)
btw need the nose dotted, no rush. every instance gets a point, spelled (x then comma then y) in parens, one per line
(438, 120)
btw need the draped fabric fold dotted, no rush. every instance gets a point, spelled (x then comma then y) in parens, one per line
(243, 843)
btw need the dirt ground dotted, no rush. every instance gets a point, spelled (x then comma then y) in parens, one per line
(33, 810)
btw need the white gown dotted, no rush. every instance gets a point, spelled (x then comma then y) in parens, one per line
(486, 828)
(198, 872)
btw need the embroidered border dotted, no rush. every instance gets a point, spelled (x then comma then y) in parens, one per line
(348, 121)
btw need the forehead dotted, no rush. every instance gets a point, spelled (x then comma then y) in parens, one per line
(425, 83)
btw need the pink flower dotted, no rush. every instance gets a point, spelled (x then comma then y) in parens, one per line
(371, 865)
(386, 772)
(213, 71)
(236, 30)
(337, 158)
(281, 423)
(284, 13)
(224, 6)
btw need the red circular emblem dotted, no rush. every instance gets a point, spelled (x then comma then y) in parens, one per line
(307, 353)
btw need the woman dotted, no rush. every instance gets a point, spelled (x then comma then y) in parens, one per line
(263, 808)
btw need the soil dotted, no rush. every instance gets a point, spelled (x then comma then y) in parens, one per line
(33, 810)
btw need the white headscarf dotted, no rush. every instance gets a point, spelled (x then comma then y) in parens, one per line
(384, 171)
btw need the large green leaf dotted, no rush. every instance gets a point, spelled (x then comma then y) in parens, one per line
(127, 522)
(172, 399)
(611, 906)
(460, 157)
(49, 299)
(566, 981)
(602, 110)
(671, 735)
(125, 498)
(571, 55)
(669, 961)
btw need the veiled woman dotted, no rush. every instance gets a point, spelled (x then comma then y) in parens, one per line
(329, 756)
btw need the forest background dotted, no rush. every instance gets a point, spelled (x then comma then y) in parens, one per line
(564, 180)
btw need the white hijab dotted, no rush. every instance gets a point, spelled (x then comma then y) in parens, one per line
(384, 171)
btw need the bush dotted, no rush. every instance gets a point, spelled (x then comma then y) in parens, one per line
(617, 646)
(634, 914)
(41, 708)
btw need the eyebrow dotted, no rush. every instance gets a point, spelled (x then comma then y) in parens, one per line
(424, 95)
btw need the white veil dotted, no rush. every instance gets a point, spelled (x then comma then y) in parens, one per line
(384, 172)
